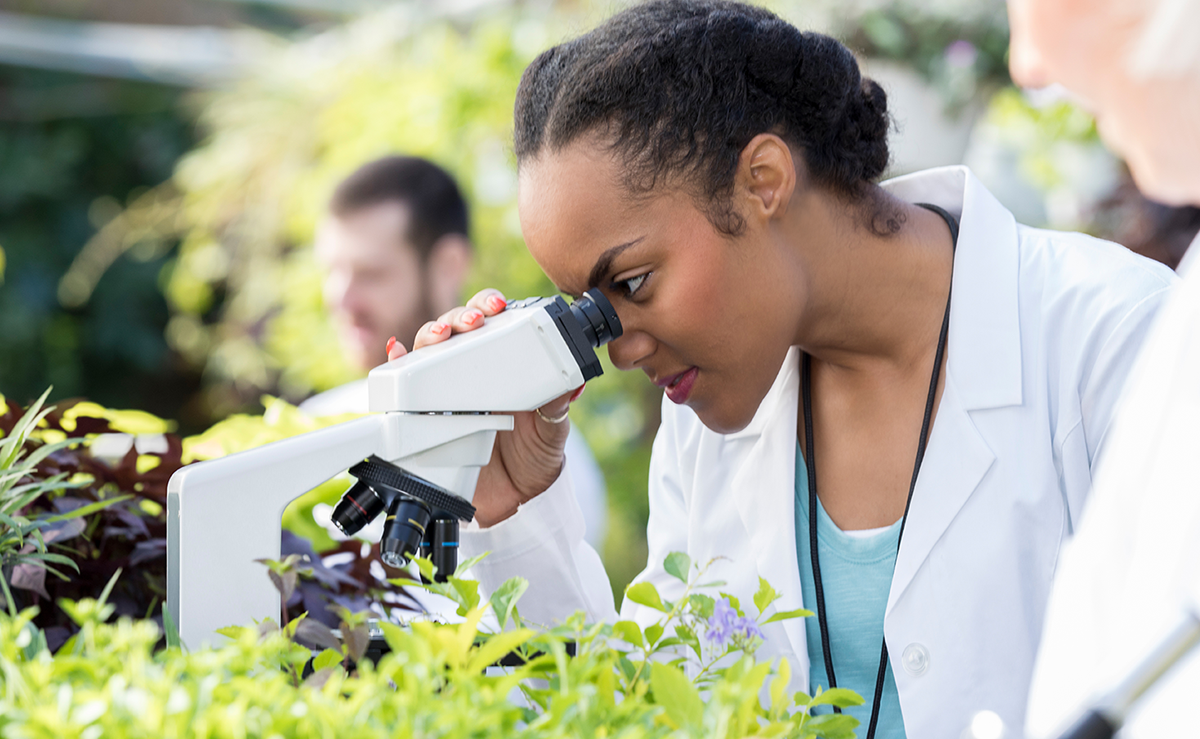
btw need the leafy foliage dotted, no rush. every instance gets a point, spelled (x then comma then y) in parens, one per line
(90, 483)
(436, 680)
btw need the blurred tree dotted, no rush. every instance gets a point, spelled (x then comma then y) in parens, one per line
(73, 151)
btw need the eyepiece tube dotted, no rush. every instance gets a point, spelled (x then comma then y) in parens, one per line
(597, 318)
(357, 508)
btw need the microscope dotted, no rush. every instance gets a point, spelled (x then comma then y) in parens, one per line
(416, 458)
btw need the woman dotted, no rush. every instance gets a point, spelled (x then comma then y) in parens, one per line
(712, 170)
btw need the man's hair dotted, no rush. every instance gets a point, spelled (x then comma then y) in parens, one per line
(436, 206)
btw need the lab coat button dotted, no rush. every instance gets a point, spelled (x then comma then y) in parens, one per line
(915, 659)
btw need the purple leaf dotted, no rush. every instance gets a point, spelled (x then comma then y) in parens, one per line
(28, 576)
(317, 634)
(64, 530)
(357, 639)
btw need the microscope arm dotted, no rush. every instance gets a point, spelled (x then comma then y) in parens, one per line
(225, 513)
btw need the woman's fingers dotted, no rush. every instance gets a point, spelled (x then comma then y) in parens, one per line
(459, 320)
(489, 301)
(555, 412)
(395, 349)
(432, 333)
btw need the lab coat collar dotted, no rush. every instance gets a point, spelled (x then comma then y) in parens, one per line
(984, 347)
(983, 370)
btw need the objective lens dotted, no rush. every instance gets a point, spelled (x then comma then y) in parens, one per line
(404, 531)
(357, 508)
(597, 318)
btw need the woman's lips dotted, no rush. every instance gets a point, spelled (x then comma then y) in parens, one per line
(679, 387)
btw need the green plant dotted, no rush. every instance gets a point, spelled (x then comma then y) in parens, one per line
(103, 509)
(24, 533)
(110, 682)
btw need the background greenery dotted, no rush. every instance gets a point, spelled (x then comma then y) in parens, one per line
(156, 241)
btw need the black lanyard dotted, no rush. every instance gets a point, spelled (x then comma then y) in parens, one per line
(810, 460)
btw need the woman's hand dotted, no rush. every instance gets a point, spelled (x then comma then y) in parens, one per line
(526, 460)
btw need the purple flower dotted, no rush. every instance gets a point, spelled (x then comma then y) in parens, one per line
(961, 54)
(722, 623)
(725, 626)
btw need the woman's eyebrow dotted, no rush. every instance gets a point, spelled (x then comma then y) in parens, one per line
(604, 263)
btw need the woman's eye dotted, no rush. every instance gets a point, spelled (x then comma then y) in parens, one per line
(632, 285)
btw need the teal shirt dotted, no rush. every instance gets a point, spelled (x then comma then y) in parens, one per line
(856, 575)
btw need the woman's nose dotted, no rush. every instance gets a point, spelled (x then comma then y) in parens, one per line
(631, 349)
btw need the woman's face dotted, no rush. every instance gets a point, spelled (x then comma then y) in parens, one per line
(708, 318)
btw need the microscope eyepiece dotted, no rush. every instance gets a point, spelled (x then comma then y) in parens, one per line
(597, 318)
(404, 530)
(357, 508)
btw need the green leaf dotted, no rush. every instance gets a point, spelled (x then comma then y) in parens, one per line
(88, 509)
(630, 632)
(785, 615)
(645, 594)
(504, 600)
(108, 588)
(678, 564)
(701, 605)
(840, 697)
(832, 726)
(424, 566)
(10, 448)
(494, 649)
(676, 694)
(687, 636)
(734, 603)
(765, 596)
(327, 658)
(170, 629)
(462, 568)
(653, 633)
(465, 593)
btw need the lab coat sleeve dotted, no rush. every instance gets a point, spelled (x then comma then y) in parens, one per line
(1100, 394)
(667, 530)
(543, 543)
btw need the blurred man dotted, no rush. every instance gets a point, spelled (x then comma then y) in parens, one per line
(1133, 570)
(396, 255)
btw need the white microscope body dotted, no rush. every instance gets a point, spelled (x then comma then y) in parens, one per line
(435, 413)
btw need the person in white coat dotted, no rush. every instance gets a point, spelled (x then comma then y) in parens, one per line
(712, 170)
(1133, 571)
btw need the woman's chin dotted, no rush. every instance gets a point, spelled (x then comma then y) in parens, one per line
(722, 420)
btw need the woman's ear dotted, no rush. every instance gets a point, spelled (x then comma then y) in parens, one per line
(766, 176)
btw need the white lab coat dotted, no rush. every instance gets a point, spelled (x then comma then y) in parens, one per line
(1134, 569)
(1043, 329)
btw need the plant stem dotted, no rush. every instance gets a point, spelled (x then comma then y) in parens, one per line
(12, 604)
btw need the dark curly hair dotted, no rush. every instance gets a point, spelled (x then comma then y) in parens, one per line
(679, 87)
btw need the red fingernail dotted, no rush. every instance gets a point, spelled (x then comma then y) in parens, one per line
(438, 328)
(472, 316)
(498, 303)
(390, 344)
(575, 395)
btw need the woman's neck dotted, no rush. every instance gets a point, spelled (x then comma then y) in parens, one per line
(874, 303)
